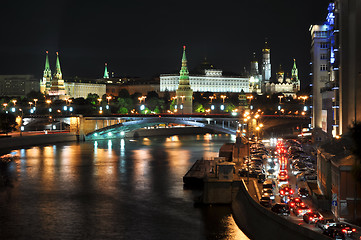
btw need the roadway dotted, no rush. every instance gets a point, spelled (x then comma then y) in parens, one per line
(255, 190)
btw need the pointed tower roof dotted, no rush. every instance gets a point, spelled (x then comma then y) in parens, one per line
(106, 74)
(47, 71)
(184, 73)
(58, 73)
(266, 46)
(294, 71)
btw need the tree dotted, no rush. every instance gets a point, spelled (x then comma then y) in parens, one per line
(92, 98)
(35, 95)
(7, 122)
(123, 93)
(197, 107)
(124, 105)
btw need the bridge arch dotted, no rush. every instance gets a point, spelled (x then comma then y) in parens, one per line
(118, 130)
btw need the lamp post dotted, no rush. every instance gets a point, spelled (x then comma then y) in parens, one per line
(5, 105)
(142, 98)
(223, 97)
(280, 97)
(35, 100)
(182, 106)
(49, 102)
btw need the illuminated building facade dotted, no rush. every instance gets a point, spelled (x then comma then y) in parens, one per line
(285, 85)
(341, 101)
(81, 89)
(319, 74)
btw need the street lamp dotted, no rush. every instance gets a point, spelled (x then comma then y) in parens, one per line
(14, 101)
(48, 101)
(222, 106)
(35, 100)
(108, 98)
(280, 97)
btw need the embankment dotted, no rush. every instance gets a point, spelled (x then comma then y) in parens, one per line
(259, 223)
(9, 143)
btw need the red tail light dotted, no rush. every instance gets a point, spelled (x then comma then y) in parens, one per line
(282, 192)
(292, 204)
(299, 211)
(309, 210)
(353, 229)
(344, 230)
(291, 191)
(310, 218)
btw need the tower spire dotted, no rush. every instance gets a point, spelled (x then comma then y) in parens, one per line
(294, 71)
(47, 71)
(184, 74)
(45, 83)
(106, 74)
(58, 73)
(184, 91)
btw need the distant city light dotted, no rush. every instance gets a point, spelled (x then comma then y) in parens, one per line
(13, 109)
(142, 107)
(222, 107)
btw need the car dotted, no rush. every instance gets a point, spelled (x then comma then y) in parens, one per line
(268, 192)
(312, 217)
(303, 192)
(346, 229)
(326, 223)
(265, 201)
(294, 202)
(269, 184)
(261, 178)
(301, 210)
(335, 233)
(286, 190)
(281, 209)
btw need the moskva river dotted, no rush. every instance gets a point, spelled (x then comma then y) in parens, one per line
(111, 189)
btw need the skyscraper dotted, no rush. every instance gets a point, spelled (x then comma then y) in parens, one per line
(184, 91)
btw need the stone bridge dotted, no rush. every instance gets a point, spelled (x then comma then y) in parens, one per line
(112, 126)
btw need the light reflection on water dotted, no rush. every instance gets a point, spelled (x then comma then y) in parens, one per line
(112, 189)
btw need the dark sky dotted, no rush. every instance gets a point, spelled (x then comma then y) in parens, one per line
(145, 38)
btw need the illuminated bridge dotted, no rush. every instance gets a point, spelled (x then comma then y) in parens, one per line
(113, 126)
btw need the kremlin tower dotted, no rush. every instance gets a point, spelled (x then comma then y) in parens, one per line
(46, 82)
(184, 91)
(106, 74)
(57, 88)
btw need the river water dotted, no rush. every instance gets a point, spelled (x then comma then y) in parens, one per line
(111, 189)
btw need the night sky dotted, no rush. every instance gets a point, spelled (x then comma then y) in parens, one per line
(145, 38)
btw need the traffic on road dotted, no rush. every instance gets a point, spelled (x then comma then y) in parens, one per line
(282, 168)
